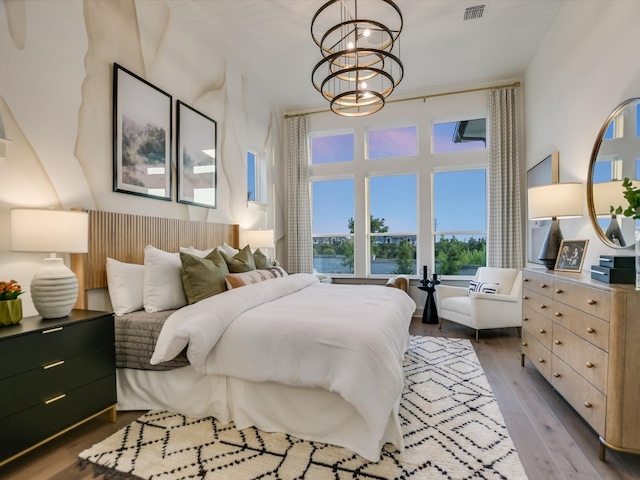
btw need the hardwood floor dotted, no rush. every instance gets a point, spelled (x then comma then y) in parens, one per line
(552, 441)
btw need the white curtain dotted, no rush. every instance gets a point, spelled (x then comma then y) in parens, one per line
(504, 235)
(299, 240)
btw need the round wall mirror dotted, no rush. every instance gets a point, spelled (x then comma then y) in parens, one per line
(615, 155)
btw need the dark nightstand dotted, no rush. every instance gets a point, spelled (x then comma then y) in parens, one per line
(54, 375)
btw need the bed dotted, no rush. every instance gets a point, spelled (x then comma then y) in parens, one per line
(322, 362)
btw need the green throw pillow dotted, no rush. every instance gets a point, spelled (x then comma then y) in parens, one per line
(241, 261)
(261, 260)
(203, 277)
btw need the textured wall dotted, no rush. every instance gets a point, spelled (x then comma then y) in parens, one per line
(56, 106)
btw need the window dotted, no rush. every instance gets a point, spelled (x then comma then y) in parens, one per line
(332, 148)
(256, 178)
(460, 136)
(392, 225)
(332, 220)
(459, 206)
(392, 142)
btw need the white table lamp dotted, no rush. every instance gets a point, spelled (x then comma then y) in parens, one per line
(260, 238)
(54, 288)
(551, 202)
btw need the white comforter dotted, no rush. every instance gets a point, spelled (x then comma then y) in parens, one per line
(348, 339)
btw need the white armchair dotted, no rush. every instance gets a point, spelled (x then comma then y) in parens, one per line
(484, 310)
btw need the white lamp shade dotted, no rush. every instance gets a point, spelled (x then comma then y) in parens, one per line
(608, 194)
(558, 200)
(260, 238)
(51, 231)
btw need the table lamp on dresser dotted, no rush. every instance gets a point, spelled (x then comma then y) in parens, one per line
(54, 288)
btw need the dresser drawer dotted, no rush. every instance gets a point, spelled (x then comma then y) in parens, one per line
(542, 284)
(537, 354)
(592, 329)
(23, 391)
(586, 359)
(537, 302)
(36, 349)
(538, 326)
(588, 299)
(584, 397)
(31, 426)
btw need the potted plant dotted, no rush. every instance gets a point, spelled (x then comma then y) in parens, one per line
(10, 304)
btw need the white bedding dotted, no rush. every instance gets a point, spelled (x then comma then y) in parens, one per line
(296, 331)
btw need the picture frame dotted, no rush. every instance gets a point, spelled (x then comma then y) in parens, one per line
(196, 157)
(571, 255)
(142, 136)
(545, 172)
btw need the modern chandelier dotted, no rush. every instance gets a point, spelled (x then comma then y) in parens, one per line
(360, 49)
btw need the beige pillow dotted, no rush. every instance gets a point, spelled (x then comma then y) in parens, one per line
(261, 260)
(235, 280)
(241, 261)
(203, 277)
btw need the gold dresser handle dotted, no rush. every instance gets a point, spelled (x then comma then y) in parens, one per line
(542, 330)
(524, 297)
(543, 285)
(559, 290)
(558, 314)
(556, 374)
(541, 360)
(54, 364)
(55, 399)
(525, 279)
(525, 319)
(589, 365)
(591, 301)
(558, 342)
(52, 330)
(524, 344)
(590, 330)
(543, 306)
(588, 404)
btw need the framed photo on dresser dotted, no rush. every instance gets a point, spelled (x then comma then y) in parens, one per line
(571, 255)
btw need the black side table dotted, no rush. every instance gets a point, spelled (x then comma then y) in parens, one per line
(430, 312)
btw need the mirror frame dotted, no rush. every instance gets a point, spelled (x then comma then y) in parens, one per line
(594, 156)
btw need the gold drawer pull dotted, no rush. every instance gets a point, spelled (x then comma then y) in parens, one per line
(525, 319)
(54, 364)
(591, 330)
(543, 285)
(55, 399)
(542, 330)
(543, 306)
(588, 404)
(525, 297)
(52, 330)
(588, 365)
(591, 301)
(558, 314)
(559, 290)
(525, 279)
(556, 374)
(524, 344)
(541, 360)
(558, 342)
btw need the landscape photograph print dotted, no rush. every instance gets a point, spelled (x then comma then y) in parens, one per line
(141, 136)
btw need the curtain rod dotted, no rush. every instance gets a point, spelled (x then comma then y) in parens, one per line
(421, 97)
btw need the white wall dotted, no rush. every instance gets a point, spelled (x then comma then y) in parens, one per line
(586, 66)
(56, 105)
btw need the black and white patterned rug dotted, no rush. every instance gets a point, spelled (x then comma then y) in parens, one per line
(451, 422)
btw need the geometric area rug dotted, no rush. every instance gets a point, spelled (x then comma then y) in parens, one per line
(452, 428)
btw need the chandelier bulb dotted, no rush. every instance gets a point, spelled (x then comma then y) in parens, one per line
(366, 32)
(350, 45)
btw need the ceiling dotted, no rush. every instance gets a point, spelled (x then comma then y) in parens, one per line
(269, 41)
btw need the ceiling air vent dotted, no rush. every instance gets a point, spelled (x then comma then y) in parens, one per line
(471, 13)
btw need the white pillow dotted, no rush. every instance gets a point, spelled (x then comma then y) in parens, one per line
(125, 282)
(162, 280)
(196, 252)
(228, 249)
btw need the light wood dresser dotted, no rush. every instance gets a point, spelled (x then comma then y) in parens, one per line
(584, 337)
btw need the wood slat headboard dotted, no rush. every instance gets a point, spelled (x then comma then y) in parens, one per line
(123, 237)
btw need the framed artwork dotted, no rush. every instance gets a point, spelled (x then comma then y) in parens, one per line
(545, 172)
(571, 255)
(196, 157)
(142, 115)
